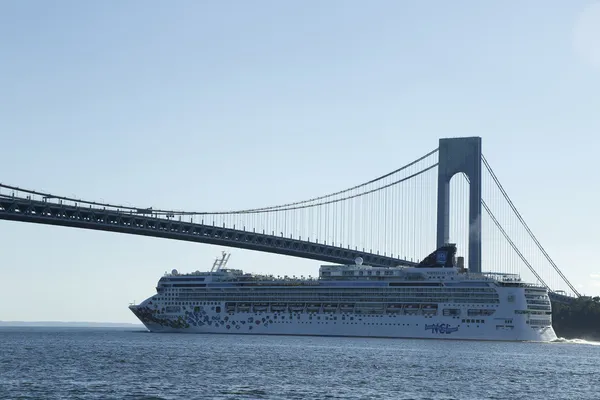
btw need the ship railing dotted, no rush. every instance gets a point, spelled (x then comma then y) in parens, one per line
(270, 279)
(503, 278)
(496, 276)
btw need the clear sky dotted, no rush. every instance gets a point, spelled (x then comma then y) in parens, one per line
(236, 104)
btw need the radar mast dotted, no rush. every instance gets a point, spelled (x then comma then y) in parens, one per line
(220, 262)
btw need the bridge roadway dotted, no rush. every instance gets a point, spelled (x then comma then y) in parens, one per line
(27, 209)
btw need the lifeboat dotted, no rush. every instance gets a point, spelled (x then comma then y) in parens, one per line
(259, 307)
(278, 307)
(429, 309)
(394, 308)
(412, 309)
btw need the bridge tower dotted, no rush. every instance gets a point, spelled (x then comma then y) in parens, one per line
(458, 155)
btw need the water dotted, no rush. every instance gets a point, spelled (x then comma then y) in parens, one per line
(80, 363)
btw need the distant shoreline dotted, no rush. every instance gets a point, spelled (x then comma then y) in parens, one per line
(66, 324)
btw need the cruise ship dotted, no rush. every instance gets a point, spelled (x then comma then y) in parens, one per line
(436, 299)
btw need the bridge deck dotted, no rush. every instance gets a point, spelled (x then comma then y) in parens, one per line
(26, 209)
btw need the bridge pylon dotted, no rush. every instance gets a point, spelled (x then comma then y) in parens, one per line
(458, 155)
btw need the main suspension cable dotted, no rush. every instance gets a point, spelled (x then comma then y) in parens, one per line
(288, 206)
(535, 240)
(512, 244)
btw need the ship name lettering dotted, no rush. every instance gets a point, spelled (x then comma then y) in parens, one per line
(441, 328)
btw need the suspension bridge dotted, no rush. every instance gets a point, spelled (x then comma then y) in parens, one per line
(450, 194)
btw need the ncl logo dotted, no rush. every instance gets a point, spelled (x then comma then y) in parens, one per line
(441, 328)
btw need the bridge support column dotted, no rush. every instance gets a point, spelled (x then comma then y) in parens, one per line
(460, 155)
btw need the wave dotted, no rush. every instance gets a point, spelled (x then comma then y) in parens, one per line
(576, 341)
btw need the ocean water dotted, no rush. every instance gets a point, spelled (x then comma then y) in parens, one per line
(93, 363)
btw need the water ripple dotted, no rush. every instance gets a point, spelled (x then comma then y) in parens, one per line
(48, 363)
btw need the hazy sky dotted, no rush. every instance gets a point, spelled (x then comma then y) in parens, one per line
(235, 104)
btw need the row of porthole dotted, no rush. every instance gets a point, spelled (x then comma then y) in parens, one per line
(312, 313)
(344, 323)
(335, 322)
(298, 316)
(348, 315)
(479, 304)
(190, 303)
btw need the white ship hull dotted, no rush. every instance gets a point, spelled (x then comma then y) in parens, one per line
(434, 300)
(354, 325)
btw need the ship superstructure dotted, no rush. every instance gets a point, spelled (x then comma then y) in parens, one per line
(435, 299)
